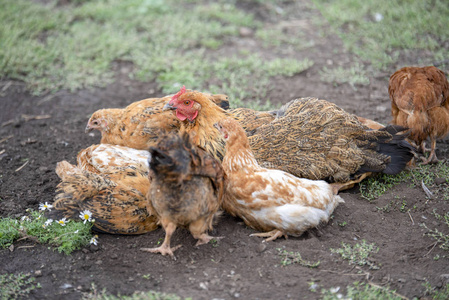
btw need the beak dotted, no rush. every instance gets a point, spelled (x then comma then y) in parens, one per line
(216, 126)
(88, 129)
(168, 106)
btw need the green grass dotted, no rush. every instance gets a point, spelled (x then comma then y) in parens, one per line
(374, 187)
(403, 28)
(360, 290)
(68, 238)
(290, 257)
(358, 254)
(71, 47)
(16, 286)
(150, 295)
(354, 75)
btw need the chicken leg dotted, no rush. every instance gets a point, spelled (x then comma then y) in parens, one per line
(432, 156)
(272, 235)
(198, 229)
(165, 249)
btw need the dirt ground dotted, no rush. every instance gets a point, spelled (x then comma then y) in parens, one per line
(238, 266)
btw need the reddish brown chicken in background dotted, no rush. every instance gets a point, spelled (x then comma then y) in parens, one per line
(419, 101)
(186, 189)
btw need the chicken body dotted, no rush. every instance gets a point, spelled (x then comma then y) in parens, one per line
(139, 124)
(269, 200)
(186, 189)
(310, 138)
(420, 101)
(112, 183)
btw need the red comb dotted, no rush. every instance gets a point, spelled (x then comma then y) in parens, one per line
(182, 91)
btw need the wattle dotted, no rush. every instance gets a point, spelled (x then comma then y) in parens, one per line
(180, 116)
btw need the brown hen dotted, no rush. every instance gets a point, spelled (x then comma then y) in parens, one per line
(419, 101)
(186, 189)
(139, 124)
(112, 183)
(312, 139)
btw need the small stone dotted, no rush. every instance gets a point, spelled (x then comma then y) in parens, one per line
(114, 256)
(203, 286)
(261, 247)
(66, 286)
(231, 250)
(38, 273)
(99, 262)
(245, 32)
(440, 180)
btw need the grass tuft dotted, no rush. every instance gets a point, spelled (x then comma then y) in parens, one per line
(360, 290)
(380, 33)
(358, 254)
(68, 238)
(290, 257)
(16, 286)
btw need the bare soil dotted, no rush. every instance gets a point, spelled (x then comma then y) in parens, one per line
(238, 266)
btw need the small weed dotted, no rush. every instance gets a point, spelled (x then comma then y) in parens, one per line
(149, 295)
(441, 294)
(146, 276)
(16, 286)
(439, 236)
(358, 254)
(214, 243)
(361, 291)
(288, 258)
(342, 224)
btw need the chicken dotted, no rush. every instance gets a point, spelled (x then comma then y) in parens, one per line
(112, 183)
(270, 200)
(311, 139)
(186, 189)
(139, 124)
(420, 101)
(251, 119)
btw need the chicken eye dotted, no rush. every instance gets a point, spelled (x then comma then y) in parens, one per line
(187, 102)
(95, 122)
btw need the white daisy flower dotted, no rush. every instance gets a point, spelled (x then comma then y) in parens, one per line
(48, 222)
(63, 221)
(44, 206)
(94, 240)
(86, 215)
(25, 218)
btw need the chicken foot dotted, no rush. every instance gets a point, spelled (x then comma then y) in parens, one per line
(432, 156)
(165, 248)
(198, 229)
(272, 235)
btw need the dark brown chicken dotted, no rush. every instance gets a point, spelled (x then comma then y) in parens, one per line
(420, 101)
(186, 189)
(139, 124)
(312, 139)
(112, 183)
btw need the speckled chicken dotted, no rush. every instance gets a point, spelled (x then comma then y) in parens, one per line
(311, 139)
(272, 201)
(112, 183)
(186, 189)
(139, 124)
(420, 101)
